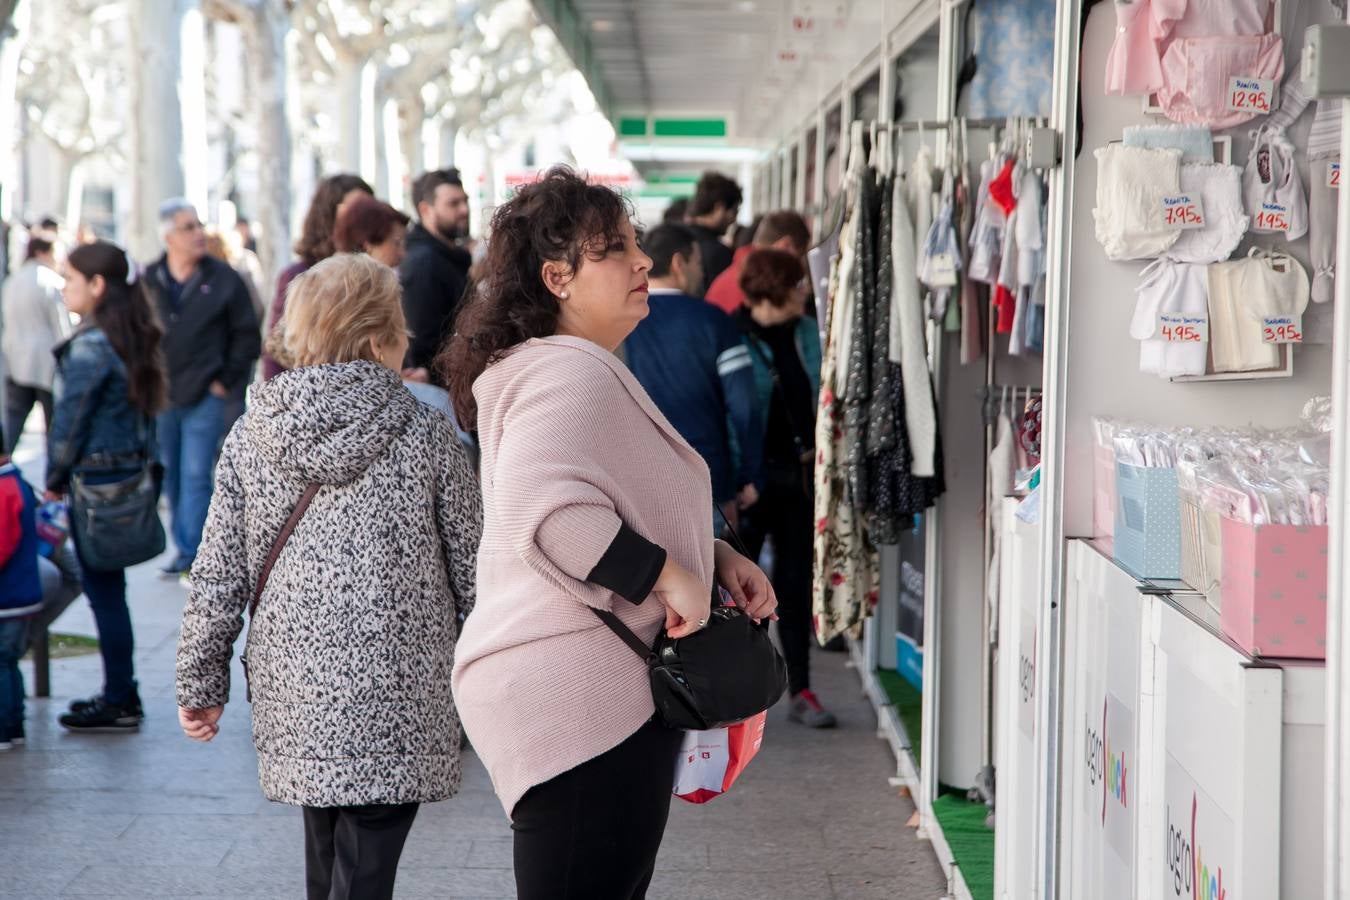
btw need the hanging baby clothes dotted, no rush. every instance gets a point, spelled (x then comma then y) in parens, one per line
(1000, 482)
(1241, 293)
(920, 183)
(845, 574)
(908, 344)
(1196, 142)
(1219, 190)
(972, 330)
(1133, 66)
(1272, 187)
(1131, 185)
(1205, 42)
(1169, 287)
(986, 236)
(1030, 259)
(940, 262)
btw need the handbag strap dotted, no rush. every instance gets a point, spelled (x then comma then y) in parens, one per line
(623, 631)
(296, 514)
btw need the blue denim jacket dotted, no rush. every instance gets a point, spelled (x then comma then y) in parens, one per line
(93, 416)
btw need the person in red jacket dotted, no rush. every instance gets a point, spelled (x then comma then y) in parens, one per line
(20, 593)
(782, 230)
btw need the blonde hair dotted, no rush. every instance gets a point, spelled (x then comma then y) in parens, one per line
(335, 309)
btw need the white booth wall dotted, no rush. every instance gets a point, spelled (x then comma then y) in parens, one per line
(1104, 376)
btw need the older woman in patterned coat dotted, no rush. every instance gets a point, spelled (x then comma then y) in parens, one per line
(349, 652)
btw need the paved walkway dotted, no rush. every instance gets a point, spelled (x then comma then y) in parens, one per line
(155, 815)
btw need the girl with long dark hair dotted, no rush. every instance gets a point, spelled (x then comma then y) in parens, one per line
(110, 383)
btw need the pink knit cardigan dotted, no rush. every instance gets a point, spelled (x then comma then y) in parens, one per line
(572, 447)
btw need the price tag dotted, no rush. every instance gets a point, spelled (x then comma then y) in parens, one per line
(942, 270)
(1184, 328)
(1250, 94)
(1334, 175)
(1183, 211)
(1273, 217)
(1282, 329)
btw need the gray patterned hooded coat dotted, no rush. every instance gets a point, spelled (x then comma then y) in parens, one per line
(349, 655)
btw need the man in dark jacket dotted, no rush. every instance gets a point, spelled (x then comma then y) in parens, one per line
(211, 345)
(435, 271)
(690, 359)
(716, 203)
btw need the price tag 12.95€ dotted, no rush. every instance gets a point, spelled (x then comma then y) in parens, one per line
(1184, 328)
(1282, 329)
(1250, 95)
(1183, 211)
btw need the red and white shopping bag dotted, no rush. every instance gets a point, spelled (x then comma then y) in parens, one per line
(711, 761)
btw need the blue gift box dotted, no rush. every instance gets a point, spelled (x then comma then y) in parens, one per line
(1148, 522)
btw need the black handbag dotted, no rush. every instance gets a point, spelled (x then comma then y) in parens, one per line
(114, 509)
(724, 673)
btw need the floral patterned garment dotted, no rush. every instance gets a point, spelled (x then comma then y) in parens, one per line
(846, 572)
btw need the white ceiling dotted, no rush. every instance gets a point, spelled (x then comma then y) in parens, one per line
(667, 56)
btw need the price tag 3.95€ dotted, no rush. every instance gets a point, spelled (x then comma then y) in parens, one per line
(1184, 328)
(1183, 211)
(1282, 329)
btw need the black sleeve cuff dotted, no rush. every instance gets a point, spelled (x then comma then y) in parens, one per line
(630, 567)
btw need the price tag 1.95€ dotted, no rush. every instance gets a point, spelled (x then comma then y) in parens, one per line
(1183, 211)
(1282, 329)
(1272, 217)
(1250, 95)
(1184, 328)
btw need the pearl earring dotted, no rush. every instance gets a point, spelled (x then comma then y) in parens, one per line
(564, 295)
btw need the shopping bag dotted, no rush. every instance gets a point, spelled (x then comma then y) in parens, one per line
(711, 761)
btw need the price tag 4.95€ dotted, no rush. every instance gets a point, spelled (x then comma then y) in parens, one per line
(1183, 211)
(1282, 329)
(1184, 328)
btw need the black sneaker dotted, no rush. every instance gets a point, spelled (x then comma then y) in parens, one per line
(134, 707)
(180, 566)
(101, 716)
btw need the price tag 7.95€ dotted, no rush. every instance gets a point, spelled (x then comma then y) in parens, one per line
(1184, 328)
(1183, 211)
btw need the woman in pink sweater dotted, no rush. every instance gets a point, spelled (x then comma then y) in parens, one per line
(590, 499)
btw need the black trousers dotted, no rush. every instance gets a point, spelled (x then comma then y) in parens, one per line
(593, 833)
(352, 852)
(19, 402)
(784, 513)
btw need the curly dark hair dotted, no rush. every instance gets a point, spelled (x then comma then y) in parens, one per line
(316, 239)
(128, 318)
(559, 218)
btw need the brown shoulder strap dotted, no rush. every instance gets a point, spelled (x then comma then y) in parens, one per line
(296, 514)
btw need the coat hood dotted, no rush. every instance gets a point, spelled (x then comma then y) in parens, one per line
(329, 423)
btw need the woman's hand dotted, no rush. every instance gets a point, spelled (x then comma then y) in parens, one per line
(200, 724)
(745, 582)
(687, 601)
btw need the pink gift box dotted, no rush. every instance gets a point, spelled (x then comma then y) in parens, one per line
(1103, 491)
(1274, 586)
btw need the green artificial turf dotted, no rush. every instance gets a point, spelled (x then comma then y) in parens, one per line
(908, 704)
(972, 843)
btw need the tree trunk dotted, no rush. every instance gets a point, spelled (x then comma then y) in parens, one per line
(72, 205)
(351, 109)
(446, 151)
(265, 52)
(11, 48)
(412, 114)
(157, 120)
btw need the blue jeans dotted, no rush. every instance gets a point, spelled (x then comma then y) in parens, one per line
(189, 440)
(107, 593)
(13, 644)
